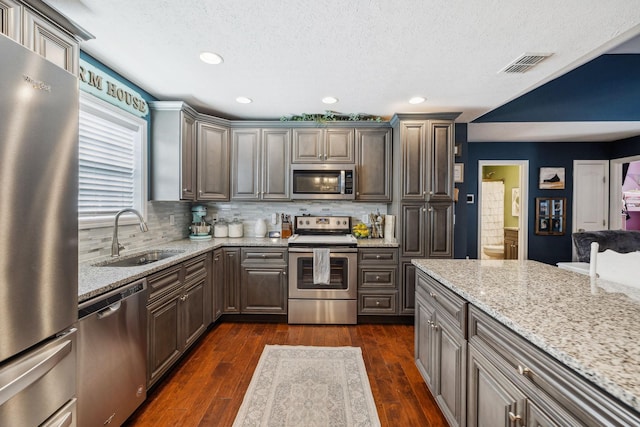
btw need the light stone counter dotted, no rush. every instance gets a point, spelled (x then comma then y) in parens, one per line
(595, 332)
(96, 280)
(377, 243)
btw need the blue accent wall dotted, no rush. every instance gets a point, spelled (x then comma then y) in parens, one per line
(604, 89)
(547, 249)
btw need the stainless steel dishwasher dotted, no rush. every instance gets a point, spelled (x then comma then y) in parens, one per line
(112, 355)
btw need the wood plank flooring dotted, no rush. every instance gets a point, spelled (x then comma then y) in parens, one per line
(207, 387)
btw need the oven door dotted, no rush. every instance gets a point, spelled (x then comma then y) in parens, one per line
(343, 275)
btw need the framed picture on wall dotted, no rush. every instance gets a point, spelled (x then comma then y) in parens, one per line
(551, 216)
(551, 179)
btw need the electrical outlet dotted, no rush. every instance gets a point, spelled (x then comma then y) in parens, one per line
(172, 219)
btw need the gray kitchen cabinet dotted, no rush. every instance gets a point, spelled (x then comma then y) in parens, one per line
(260, 164)
(427, 230)
(441, 347)
(43, 30)
(408, 288)
(178, 312)
(49, 41)
(231, 284)
(264, 282)
(217, 292)
(492, 398)
(550, 394)
(10, 24)
(213, 156)
(173, 151)
(313, 145)
(377, 281)
(373, 165)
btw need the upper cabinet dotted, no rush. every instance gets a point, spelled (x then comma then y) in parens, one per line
(260, 164)
(427, 160)
(313, 145)
(212, 162)
(44, 31)
(373, 165)
(189, 158)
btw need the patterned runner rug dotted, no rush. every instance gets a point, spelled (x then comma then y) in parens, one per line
(301, 386)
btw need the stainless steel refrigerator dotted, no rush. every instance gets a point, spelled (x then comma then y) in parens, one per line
(38, 239)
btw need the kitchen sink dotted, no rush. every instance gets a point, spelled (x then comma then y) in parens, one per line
(139, 259)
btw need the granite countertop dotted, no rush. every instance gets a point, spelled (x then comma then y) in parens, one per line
(96, 280)
(594, 330)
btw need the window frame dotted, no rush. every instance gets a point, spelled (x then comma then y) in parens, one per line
(100, 108)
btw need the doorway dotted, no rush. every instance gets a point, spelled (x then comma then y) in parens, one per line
(503, 189)
(624, 183)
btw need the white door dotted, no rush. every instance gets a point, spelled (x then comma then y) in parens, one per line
(590, 195)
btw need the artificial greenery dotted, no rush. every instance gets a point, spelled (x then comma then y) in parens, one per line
(330, 116)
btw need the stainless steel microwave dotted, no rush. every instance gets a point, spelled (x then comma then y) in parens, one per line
(323, 181)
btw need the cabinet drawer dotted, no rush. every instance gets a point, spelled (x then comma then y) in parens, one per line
(377, 256)
(264, 256)
(377, 303)
(195, 269)
(444, 300)
(541, 375)
(378, 277)
(164, 281)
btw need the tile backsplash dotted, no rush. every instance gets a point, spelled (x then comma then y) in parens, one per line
(96, 242)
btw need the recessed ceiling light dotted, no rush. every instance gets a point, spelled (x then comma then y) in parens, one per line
(417, 100)
(244, 100)
(329, 100)
(211, 58)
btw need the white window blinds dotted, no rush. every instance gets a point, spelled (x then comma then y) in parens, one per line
(111, 162)
(106, 176)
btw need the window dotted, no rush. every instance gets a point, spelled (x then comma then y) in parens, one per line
(112, 163)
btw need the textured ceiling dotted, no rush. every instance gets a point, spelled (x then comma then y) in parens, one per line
(371, 54)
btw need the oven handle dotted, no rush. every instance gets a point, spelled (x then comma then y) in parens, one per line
(333, 250)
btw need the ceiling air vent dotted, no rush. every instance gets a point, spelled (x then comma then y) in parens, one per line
(525, 62)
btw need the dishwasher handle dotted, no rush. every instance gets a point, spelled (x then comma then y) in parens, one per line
(109, 311)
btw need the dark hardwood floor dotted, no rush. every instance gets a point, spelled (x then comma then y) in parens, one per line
(207, 387)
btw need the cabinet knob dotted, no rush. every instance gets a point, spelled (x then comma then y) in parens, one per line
(320, 156)
(424, 192)
(432, 294)
(431, 193)
(284, 273)
(377, 302)
(515, 418)
(424, 209)
(430, 209)
(377, 277)
(185, 189)
(357, 193)
(523, 370)
(264, 255)
(377, 256)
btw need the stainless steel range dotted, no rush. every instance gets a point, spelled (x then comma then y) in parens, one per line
(323, 257)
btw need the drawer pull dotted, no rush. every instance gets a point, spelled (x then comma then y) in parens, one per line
(377, 256)
(377, 302)
(377, 277)
(515, 418)
(524, 371)
(432, 294)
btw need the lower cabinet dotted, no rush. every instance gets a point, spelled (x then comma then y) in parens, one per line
(481, 373)
(263, 284)
(377, 281)
(441, 347)
(178, 312)
(231, 280)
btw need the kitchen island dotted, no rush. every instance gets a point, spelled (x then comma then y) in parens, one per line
(591, 331)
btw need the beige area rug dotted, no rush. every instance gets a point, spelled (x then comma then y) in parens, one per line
(300, 386)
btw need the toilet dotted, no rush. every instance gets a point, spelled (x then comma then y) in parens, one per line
(494, 251)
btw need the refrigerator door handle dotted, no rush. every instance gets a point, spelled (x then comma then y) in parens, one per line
(26, 372)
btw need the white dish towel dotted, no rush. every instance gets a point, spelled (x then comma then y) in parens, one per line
(321, 266)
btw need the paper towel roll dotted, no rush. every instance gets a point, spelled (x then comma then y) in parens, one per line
(389, 227)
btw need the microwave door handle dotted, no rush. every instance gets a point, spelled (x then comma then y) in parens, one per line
(342, 183)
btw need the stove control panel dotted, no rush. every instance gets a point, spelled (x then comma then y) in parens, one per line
(320, 224)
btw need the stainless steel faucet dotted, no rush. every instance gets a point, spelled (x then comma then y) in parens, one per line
(115, 246)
